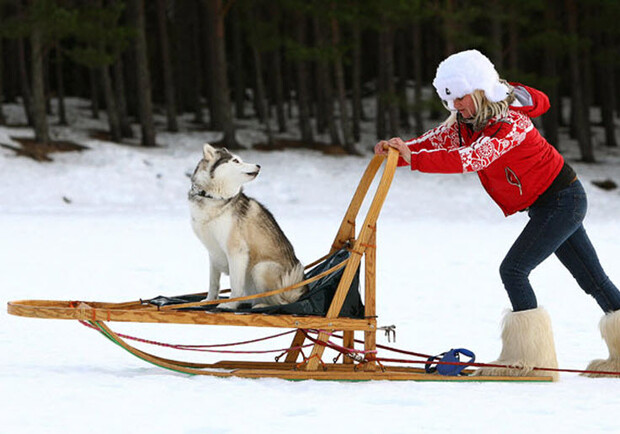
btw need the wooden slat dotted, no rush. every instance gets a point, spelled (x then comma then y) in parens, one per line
(370, 307)
(85, 311)
(298, 341)
(347, 226)
(374, 375)
(348, 341)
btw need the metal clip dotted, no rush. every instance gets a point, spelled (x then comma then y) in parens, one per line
(390, 331)
(355, 356)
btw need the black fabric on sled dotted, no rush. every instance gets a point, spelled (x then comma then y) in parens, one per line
(315, 301)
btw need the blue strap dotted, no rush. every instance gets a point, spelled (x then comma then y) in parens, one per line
(452, 356)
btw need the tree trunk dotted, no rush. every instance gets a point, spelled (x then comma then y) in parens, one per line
(121, 101)
(41, 128)
(12, 87)
(390, 83)
(580, 117)
(169, 90)
(278, 86)
(450, 27)
(260, 94)
(605, 84)
(513, 36)
(60, 87)
(94, 93)
(357, 81)
(497, 47)
(188, 57)
(417, 77)
(608, 94)
(2, 118)
(345, 121)
(381, 90)
(551, 119)
(261, 97)
(46, 83)
(325, 90)
(111, 105)
(221, 115)
(401, 88)
(25, 81)
(198, 63)
(237, 54)
(301, 66)
(145, 104)
(321, 74)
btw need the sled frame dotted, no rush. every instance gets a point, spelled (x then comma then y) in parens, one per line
(362, 246)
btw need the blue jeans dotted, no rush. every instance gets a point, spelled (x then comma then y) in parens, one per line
(556, 227)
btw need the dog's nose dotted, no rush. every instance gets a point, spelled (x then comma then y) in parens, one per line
(258, 166)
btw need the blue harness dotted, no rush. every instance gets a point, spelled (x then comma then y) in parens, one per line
(452, 356)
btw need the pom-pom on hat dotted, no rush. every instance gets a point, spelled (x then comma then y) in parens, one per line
(462, 73)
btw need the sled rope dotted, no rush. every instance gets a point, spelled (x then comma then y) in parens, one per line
(426, 356)
(349, 352)
(493, 365)
(360, 356)
(262, 294)
(206, 348)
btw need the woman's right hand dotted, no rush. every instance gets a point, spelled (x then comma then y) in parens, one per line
(382, 147)
(397, 143)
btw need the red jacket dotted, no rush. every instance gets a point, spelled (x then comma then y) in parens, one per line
(514, 162)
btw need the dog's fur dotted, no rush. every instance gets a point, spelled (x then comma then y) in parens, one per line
(242, 237)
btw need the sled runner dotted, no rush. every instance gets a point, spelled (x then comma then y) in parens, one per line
(331, 309)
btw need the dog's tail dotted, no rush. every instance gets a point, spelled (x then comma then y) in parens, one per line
(294, 276)
(272, 276)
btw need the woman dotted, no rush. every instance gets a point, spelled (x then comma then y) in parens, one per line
(490, 132)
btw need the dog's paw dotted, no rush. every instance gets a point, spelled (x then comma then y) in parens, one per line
(231, 305)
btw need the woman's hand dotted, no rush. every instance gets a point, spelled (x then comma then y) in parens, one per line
(382, 147)
(397, 143)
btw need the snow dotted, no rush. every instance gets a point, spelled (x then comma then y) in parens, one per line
(122, 232)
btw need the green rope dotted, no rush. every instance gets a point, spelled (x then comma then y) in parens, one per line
(107, 335)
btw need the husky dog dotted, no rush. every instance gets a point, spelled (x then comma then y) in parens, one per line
(242, 237)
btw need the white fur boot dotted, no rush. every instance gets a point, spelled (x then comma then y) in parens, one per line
(527, 342)
(610, 330)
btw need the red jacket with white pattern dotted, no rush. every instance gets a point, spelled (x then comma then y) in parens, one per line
(513, 161)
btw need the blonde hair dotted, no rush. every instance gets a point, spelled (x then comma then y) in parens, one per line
(485, 109)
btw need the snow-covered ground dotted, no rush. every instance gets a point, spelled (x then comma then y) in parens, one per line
(111, 224)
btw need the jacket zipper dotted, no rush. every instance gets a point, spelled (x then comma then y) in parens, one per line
(513, 179)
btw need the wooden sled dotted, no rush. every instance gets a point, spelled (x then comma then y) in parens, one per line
(361, 245)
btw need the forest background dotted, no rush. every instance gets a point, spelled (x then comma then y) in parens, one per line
(304, 65)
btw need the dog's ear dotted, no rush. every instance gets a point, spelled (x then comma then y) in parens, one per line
(208, 152)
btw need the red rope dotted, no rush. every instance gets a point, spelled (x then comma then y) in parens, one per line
(207, 348)
(481, 365)
(492, 365)
(368, 355)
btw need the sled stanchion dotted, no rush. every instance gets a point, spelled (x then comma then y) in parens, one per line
(297, 343)
(363, 238)
(347, 228)
(370, 309)
(348, 341)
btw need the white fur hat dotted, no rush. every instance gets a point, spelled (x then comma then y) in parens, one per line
(462, 73)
